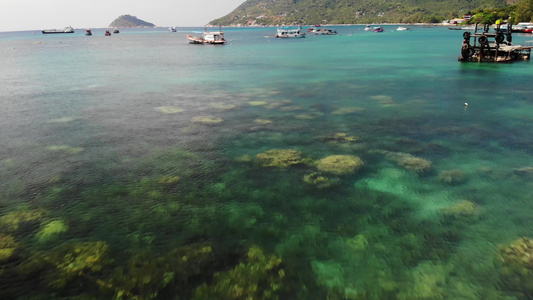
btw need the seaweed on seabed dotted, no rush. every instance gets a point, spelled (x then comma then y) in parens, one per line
(257, 277)
(149, 275)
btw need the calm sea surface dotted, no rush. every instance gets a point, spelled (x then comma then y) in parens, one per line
(138, 166)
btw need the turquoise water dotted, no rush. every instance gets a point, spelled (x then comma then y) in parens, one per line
(138, 166)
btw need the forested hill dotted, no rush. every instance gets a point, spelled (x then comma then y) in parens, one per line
(275, 12)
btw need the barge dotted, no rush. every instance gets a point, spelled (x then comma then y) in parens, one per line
(485, 46)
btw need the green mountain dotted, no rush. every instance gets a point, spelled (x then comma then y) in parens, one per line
(277, 12)
(130, 21)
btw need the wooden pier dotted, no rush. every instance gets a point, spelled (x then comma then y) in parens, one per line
(486, 46)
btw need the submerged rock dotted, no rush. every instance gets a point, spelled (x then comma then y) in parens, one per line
(452, 177)
(340, 164)
(319, 181)
(280, 158)
(207, 120)
(407, 161)
(462, 210)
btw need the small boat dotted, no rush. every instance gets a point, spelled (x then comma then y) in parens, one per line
(377, 29)
(67, 29)
(289, 32)
(401, 28)
(368, 28)
(318, 30)
(88, 32)
(116, 31)
(107, 33)
(172, 29)
(208, 37)
(502, 28)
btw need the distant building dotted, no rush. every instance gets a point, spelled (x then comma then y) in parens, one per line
(457, 21)
(467, 17)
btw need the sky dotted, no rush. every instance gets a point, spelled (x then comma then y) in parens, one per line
(18, 15)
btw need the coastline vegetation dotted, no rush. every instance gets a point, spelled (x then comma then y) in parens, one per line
(305, 12)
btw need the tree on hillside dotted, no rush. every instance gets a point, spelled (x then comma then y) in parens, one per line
(524, 11)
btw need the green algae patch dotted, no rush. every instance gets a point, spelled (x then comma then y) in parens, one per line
(65, 149)
(462, 210)
(51, 229)
(222, 106)
(169, 180)
(61, 120)
(340, 164)
(257, 277)
(452, 177)
(347, 110)
(407, 161)
(257, 103)
(338, 137)
(169, 109)
(12, 221)
(319, 181)
(8, 246)
(516, 264)
(72, 260)
(280, 158)
(207, 120)
(427, 281)
(383, 99)
(262, 121)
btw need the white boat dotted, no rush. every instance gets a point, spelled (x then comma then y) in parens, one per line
(401, 28)
(288, 32)
(208, 37)
(368, 28)
(172, 29)
(67, 29)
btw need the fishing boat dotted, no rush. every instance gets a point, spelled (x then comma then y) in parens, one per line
(290, 32)
(67, 29)
(88, 32)
(208, 37)
(319, 30)
(484, 46)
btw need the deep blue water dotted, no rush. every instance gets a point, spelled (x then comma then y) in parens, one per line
(138, 165)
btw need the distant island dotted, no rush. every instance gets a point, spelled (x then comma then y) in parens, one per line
(127, 21)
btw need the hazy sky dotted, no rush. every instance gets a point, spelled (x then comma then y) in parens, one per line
(47, 14)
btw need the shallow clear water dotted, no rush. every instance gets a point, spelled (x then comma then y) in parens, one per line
(111, 186)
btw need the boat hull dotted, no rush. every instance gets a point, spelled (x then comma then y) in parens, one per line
(201, 41)
(56, 32)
